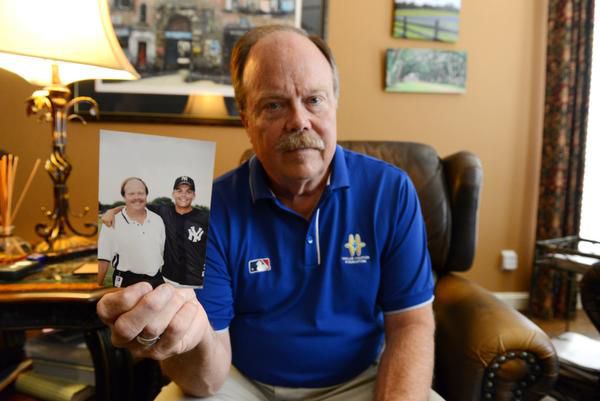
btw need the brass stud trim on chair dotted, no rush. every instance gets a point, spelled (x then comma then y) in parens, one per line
(533, 369)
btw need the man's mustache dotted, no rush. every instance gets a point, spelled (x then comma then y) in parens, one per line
(300, 140)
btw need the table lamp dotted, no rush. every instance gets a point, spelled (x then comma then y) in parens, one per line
(53, 43)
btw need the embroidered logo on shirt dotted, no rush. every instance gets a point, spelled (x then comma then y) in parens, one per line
(259, 265)
(194, 234)
(355, 247)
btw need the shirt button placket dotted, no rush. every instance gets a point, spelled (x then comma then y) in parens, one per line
(310, 253)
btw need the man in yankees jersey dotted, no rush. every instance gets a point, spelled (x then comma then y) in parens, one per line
(186, 234)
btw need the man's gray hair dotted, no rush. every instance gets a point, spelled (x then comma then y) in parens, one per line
(241, 50)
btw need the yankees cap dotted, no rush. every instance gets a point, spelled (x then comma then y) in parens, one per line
(184, 179)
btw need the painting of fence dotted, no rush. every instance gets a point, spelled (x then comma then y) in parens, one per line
(426, 71)
(435, 20)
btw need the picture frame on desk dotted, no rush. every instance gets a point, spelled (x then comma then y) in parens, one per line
(182, 54)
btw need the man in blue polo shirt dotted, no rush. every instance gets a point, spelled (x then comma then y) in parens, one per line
(315, 255)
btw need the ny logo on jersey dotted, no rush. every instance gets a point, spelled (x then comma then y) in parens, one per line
(195, 234)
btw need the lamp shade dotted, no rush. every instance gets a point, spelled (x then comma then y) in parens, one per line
(75, 35)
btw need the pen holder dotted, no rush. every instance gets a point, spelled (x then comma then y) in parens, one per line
(12, 247)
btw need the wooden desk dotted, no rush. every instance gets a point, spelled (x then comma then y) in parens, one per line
(70, 303)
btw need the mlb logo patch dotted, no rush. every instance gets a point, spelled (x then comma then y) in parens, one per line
(259, 265)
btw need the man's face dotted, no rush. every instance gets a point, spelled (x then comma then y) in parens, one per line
(290, 113)
(183, 196)
(135, 195)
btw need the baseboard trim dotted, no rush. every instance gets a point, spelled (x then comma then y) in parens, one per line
(520, 300)
(516, 299)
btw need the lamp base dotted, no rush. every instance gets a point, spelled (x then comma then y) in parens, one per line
(66, 242)
(54, 104)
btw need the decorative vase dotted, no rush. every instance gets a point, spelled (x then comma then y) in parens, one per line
(12, 247)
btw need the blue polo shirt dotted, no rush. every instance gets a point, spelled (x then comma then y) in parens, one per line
(304, 300)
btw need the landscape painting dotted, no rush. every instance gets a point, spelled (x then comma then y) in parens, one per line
(434, 20)
(426, 71)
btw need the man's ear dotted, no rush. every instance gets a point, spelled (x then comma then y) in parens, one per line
(244, 119)
(245, 123)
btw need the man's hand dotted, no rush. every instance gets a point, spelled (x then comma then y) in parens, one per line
(174, 314)
(108, 218)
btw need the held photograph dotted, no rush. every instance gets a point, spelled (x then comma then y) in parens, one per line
(426, 71)
(154, 207)
(434, 20)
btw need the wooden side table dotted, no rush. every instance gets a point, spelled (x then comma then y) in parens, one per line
(69, 304)
(571, 255)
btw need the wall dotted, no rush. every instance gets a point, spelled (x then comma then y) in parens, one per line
(499, 118)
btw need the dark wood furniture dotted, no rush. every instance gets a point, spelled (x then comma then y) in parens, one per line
(566, 259)
(53, 298)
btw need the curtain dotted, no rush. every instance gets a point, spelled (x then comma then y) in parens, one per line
(568, 71)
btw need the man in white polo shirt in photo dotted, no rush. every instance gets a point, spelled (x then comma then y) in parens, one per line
(135, 246)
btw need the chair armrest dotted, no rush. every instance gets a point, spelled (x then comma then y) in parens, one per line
(486, 350)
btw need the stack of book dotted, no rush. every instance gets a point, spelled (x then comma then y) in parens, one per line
(62, 368)
(579, 358)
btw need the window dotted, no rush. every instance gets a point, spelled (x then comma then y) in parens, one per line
(590, 210)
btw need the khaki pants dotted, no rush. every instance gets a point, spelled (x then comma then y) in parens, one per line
(239, 388)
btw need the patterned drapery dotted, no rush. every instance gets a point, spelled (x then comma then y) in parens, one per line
(568, 71)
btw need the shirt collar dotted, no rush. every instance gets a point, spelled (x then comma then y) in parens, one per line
(339, 172)
(129, 219)
(259, 183)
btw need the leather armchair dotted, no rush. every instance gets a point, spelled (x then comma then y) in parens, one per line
(485, 350)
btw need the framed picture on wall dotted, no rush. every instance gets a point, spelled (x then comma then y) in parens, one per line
(434, 20)
(426, 71)
(182, 51)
